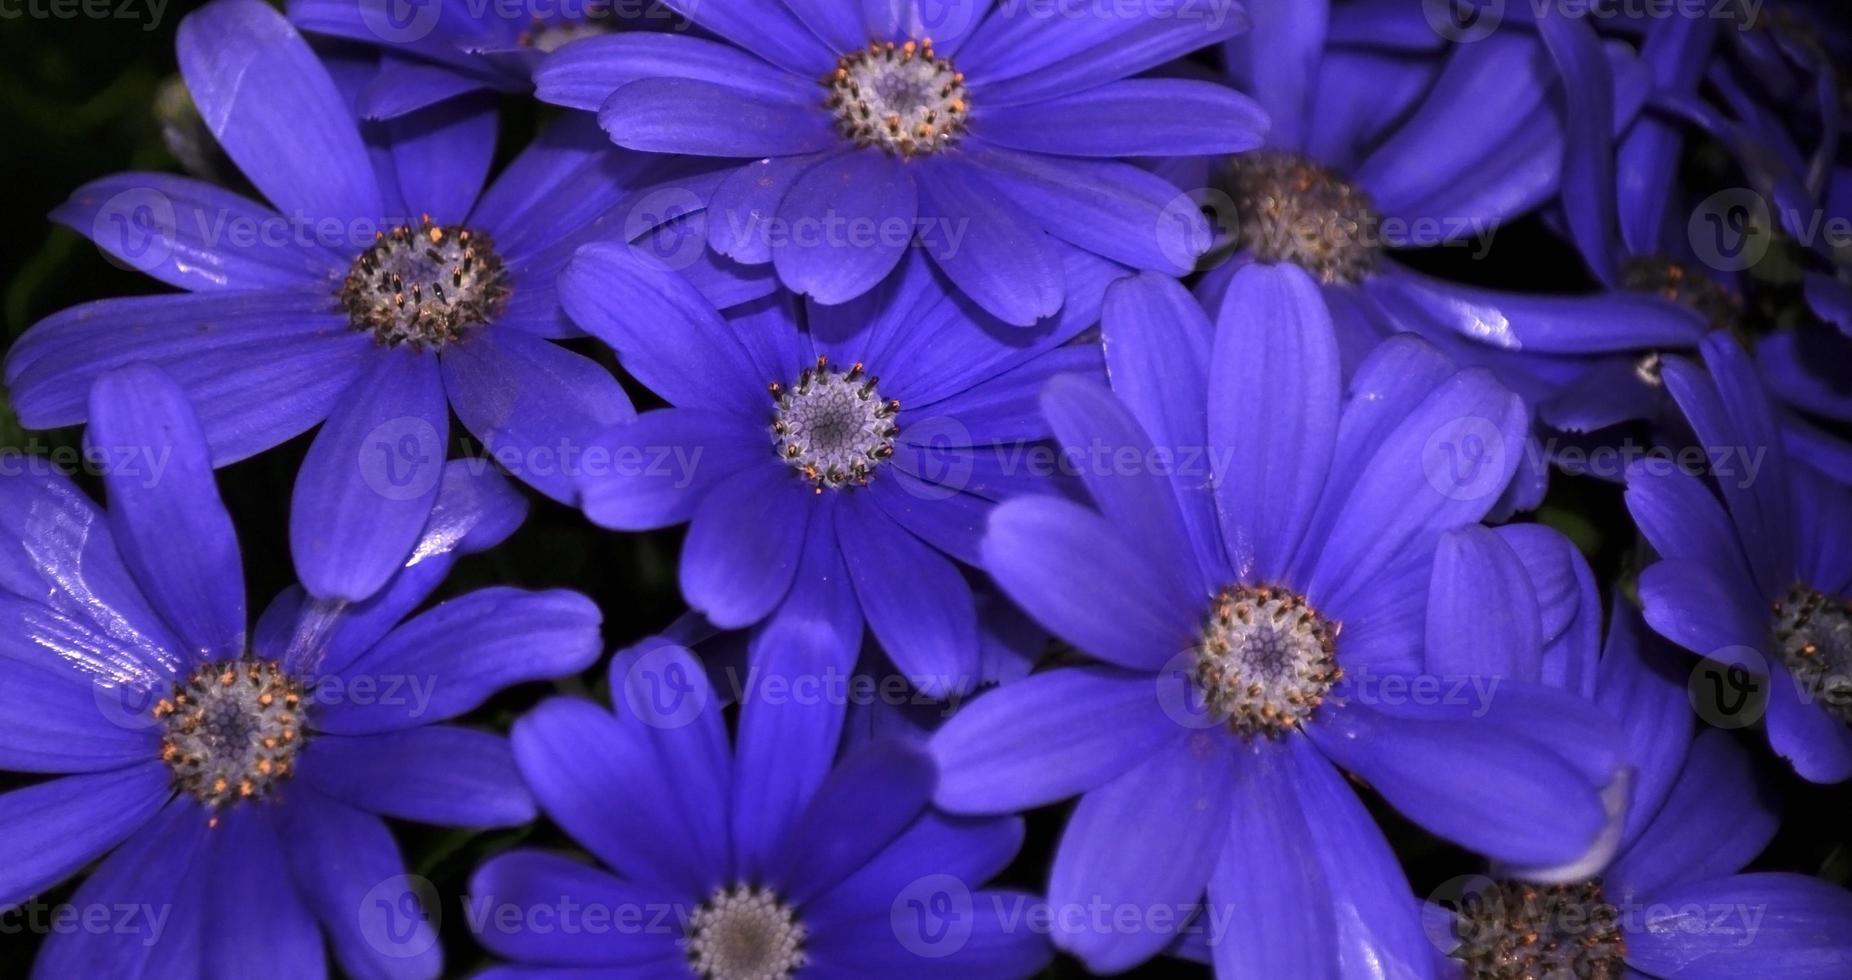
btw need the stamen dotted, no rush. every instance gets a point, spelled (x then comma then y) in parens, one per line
(745, 933)
(833, 427)
(1813, 636)
(1266, 659)
(903, 98)
(1291, 210)
(548, 36)
(232, 730)
(424, 286)
(1720, 306)
(1519, 931)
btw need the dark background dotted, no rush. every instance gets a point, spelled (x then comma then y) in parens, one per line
(77, 102)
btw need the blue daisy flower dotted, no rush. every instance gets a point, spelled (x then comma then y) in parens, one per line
(1255, 583)
(1374, 153)
(327, 309)
(984, 133)
(1666, 898)
(236, 777)
(440, 49)
(773, 859)
(1753, 572)
(834, 463)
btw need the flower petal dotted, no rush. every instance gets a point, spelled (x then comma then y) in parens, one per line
(59, 826)
(456, 777)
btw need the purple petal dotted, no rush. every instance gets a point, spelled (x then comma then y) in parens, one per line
(1801, 731)
(1483, 615)
(1003, 261)
(256, 922)
(442, 155)
(1768, 924)
(1587, 87)
(1278, 62)
(743, 543)
(193, 235)
(1109, 208)
(849, 220)
(770, 31)
(1301, 853)
(260, 367)
(819, 625)
(925, 619)
(667, 335)
(1040, 550)
(456, 777)
(1495, 772)
(56, 717)
(1693, 607)
(1135, 117)
(1049, 737)
(404, 85)
(170, 525)
(785, 750)
(1273, 414)
(1716, 818)
(869, 798)
(159, 867)
(350, 874)
(271, 105)
(1598, 324)
(59, 826)
(747, 201)
(533, 403)
(1027, 54)
(452, 658)
(583, 76)
(1642, 682)
(535, 881)
(662, 464)
(367, 485)
(1148, 839)
(703, 118)
(593, 798)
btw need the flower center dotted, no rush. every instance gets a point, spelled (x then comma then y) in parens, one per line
(1673, 282)
(1266, 659)
(832, 426)
(1516, 931)
(744, 933)
(1813, 636)
(1289, 209)
(424, 286)
(232, 730)
(902, 98)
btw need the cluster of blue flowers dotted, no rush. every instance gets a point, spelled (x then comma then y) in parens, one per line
(1066, 401)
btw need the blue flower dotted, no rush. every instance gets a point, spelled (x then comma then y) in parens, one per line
(440, 49)
(985, 133)
(770, 859)
(1754, 571)
(1382, 147)
(329, 309)
(834, 463)
(1665, 898)
(235, 777)
(1255, 583)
